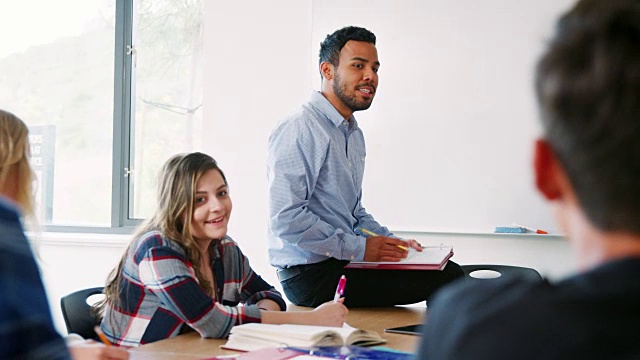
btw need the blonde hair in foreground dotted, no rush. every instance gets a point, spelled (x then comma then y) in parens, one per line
(16, 175)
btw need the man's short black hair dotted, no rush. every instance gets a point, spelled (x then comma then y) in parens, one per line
(333, 43)
(588, 87)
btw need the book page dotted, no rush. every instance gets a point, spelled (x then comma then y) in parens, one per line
(283, 331)
(429, 255)
(364, 338)
(255, 336)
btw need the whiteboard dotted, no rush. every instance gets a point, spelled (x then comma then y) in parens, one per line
(451, 129)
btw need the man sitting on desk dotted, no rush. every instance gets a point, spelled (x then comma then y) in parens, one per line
(588, 167)
(315, 170)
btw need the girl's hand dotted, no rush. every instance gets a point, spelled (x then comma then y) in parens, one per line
(94, 350)
(329, 314)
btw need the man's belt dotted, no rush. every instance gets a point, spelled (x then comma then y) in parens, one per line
(287, 273)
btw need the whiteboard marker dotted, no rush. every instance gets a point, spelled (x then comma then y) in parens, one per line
(537, 231)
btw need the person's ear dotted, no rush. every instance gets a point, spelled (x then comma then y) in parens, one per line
(326, 69)
(549, 175)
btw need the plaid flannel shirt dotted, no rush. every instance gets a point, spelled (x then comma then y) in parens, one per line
(160, 293)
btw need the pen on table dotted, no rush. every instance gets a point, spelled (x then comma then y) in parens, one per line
(340, 289)
(371, 233)
(101, 335)
(537, 231)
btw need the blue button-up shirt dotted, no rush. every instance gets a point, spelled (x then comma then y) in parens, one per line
(315, 168)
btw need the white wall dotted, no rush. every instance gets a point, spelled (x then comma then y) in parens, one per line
(71, 262)
(256, 71)
(261, 60)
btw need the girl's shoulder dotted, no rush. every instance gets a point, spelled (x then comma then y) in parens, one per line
(228, 246)
(153, 239)
(228, 241)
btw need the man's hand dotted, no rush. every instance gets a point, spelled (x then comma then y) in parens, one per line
(414, 244)
(382, 248)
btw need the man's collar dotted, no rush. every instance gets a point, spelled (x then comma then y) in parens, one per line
(326, 107)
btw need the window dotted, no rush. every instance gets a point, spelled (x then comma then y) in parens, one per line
(56, 71)
(168, 91)
(109, 89)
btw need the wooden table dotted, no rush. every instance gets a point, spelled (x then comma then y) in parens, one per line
(192, 346)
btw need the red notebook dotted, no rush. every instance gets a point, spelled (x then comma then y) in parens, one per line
(431, 258)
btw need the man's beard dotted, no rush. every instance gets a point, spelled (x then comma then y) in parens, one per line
(351, 101)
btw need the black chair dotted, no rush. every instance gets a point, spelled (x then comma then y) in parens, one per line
(502, 270)
(77, 312)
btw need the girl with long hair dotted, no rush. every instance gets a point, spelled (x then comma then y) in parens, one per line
(182, 272)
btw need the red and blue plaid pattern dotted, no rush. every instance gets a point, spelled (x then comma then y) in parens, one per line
(160, 294)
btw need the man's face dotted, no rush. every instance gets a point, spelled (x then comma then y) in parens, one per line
(356, 76)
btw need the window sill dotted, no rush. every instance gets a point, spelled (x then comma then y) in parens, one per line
(79, 239)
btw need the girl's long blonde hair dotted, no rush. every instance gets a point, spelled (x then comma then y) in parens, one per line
(175, 203)
(14, 159)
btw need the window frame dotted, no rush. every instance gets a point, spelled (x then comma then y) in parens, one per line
(123, 123)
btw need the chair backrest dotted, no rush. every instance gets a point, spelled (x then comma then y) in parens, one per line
(77, 312)
(499, 271)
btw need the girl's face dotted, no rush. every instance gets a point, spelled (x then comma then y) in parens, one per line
(212, 207)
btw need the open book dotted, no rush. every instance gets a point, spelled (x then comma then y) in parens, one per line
(255, 336)
(430, 258)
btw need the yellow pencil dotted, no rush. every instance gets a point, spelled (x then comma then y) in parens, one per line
(371, 233)
(101, 335)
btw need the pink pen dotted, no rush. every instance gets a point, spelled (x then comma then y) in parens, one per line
(340, 290)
